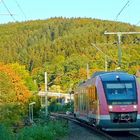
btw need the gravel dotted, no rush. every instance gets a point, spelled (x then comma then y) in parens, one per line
(77, 132)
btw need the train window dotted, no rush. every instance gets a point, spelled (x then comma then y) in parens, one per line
(119, 85)
(79, 102)
(92, 97)
(87, 102)
(95, 94)
(120, 92)
(84, 104)
(76, 102)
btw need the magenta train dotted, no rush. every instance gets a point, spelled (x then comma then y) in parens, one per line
(110, 101)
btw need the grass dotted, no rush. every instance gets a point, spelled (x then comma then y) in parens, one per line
(50, 131)
(47, 131)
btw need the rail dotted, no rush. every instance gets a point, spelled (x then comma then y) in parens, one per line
(83, 124)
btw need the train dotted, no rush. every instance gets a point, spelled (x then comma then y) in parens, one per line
(109, 101)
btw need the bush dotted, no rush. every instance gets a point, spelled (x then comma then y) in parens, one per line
(5, 133)
(35, 133)
(50, 131)
(55, 106)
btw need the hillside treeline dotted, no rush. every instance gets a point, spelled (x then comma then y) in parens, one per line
(62, 47)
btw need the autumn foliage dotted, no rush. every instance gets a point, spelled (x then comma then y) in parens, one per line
(22, 93)
(14, 95)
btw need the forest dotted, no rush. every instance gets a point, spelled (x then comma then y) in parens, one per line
(62, 47)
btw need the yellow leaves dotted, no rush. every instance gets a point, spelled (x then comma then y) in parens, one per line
(56, 88)
(22, 94)
(134, 69)
(82, 73)
(20, 70)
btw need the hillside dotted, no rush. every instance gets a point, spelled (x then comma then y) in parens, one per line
(62, 47)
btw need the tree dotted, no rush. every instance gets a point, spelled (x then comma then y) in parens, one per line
(14, 96)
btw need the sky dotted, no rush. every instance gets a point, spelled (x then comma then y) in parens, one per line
(24, 10)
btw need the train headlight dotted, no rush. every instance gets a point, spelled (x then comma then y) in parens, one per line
(110, 107)
(135, 106)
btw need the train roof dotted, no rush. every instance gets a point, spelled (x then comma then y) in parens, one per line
(115, 75)
(105, 72)
(98, 73)
(109, 76)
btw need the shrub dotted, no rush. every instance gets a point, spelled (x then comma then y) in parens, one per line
(5, 133)
(50, 131)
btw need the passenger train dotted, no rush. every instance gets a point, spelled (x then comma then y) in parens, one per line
(110, 101)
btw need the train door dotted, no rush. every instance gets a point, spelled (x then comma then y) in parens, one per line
(94, 99)
(97, 107)
(81, 101)
(76, 102)
(94, 104)
(85, 102)
(92, 96)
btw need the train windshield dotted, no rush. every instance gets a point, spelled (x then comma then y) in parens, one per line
(120, 92)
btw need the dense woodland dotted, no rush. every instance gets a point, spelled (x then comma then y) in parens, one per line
(62, 47)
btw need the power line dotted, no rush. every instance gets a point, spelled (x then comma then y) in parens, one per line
(119, 34)
(105, 56)
(6, 14)
(8, 10)
(122, 10)
(138, 23)
(20, 9)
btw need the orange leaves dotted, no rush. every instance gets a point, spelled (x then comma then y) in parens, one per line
(134, 69)
(22, 94)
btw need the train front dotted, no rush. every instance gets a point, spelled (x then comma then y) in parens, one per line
(120, 111)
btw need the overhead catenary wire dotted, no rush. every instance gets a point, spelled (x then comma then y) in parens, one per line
(20, 8)
(6, 14)
(105, 56)
(8, 10)
(138, 23)
(95, 45)
(119, 34)
(127, 3)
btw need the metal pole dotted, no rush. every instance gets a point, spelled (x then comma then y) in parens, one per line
(32, 112)
(70, 90)
(119, 34)
(29, 114)
(119, 50)
(88, 77)
(103, 54)
(41, 102)
(46, 96)
(105, 63)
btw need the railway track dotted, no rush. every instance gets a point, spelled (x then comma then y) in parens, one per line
(123, 136)
(136, 134)
(71, 118)
(107, 135)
